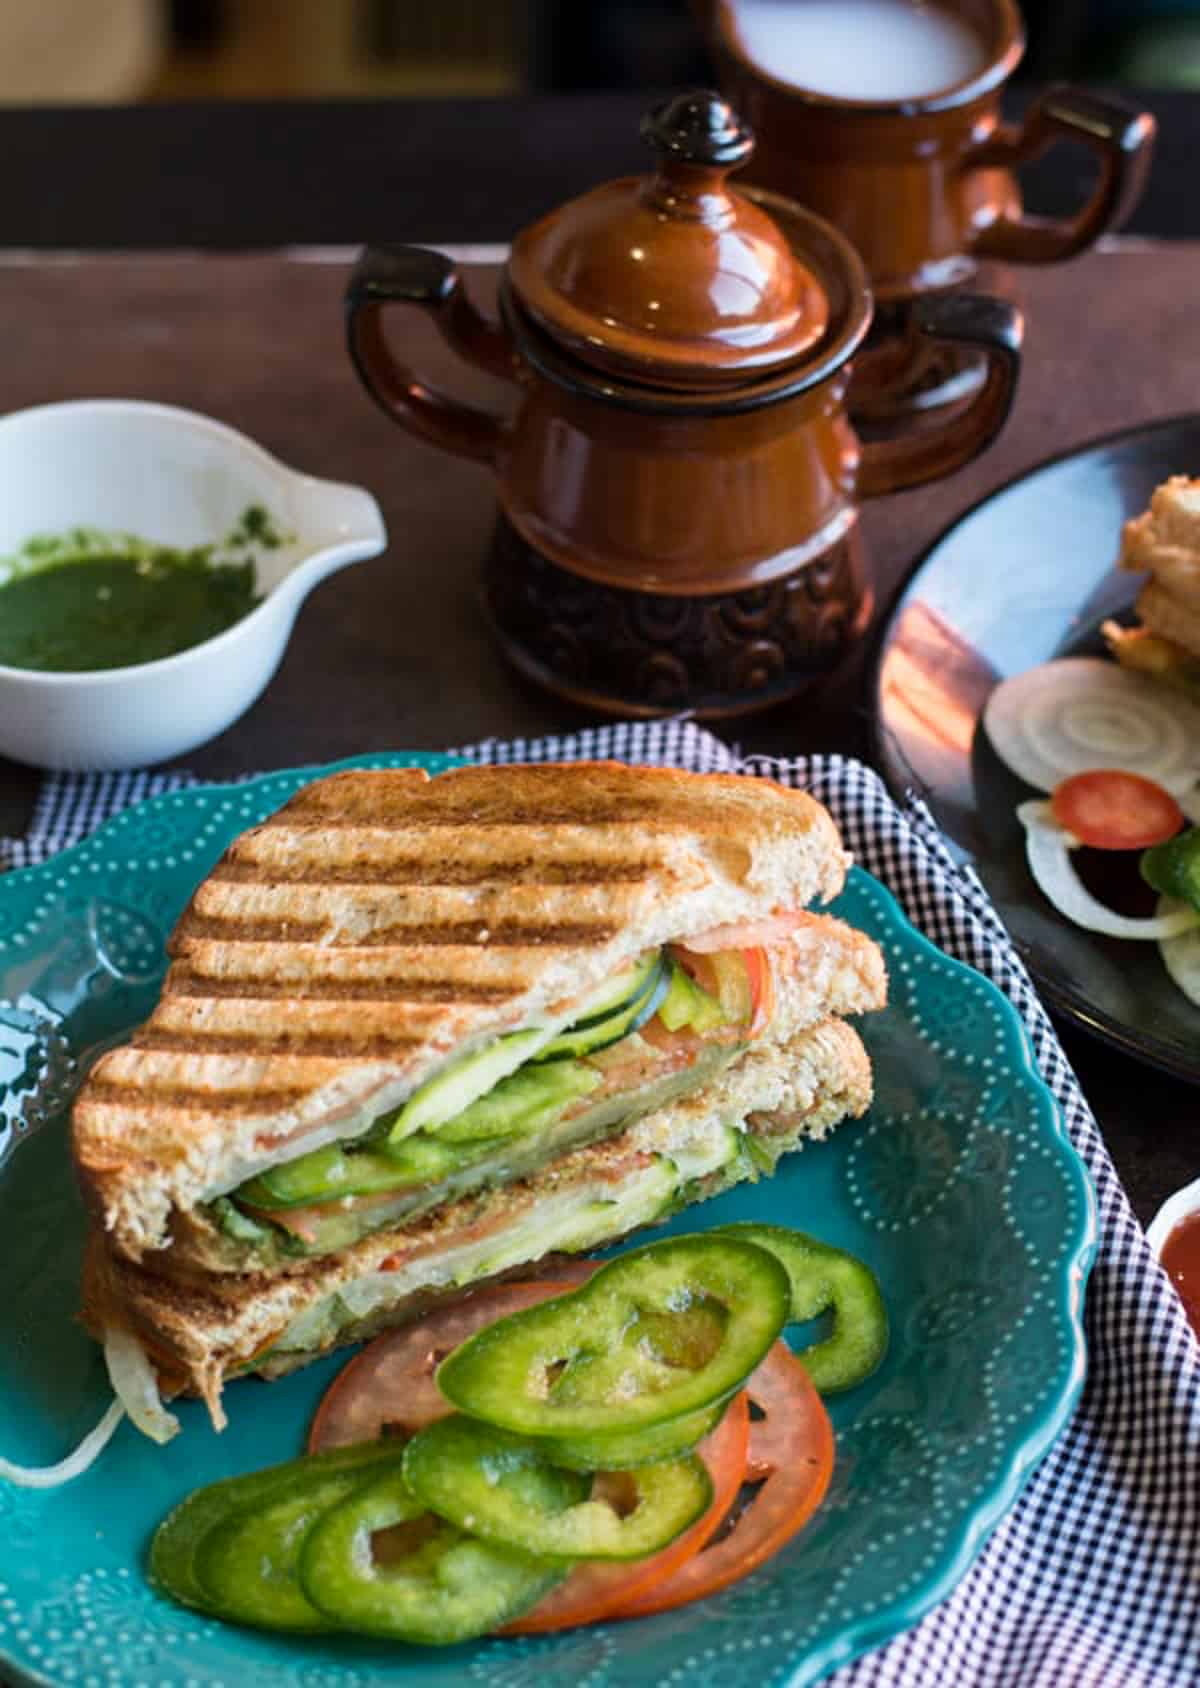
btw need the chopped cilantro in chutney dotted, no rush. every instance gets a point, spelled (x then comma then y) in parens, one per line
(86, 600)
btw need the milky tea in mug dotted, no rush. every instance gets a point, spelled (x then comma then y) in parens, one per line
(859, 49)
(883, 117)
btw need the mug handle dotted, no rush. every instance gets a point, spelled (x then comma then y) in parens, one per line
(1121, 138)
(416, 275)
(960, 319)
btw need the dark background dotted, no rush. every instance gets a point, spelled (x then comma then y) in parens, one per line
(270, 122)
(578, 44)
(621, 43)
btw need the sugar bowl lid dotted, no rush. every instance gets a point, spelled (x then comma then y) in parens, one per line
(672, 278)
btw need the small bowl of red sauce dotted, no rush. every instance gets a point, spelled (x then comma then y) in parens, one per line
(1174, 1235)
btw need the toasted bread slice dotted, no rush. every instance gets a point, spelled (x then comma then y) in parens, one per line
(1171, 522)
(382, 922)
(200, 1330)
(1170, 617)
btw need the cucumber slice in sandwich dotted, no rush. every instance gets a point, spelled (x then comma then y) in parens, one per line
(598, 1031)
(454, 1089)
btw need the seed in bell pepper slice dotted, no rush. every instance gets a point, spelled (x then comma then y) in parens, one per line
(503, 1487)
(824, 1278)
(381, 1564)
(658, 1332)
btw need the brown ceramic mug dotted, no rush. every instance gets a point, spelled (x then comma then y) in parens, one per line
(677, 479)
(925, 187)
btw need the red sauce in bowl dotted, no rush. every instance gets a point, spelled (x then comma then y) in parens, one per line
(1181, 1261)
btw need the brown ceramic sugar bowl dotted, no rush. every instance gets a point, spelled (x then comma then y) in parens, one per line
(677, 479)
(922, 185)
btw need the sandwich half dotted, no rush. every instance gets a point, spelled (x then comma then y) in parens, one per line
(194, 1332)
(419, 1033)
(1163, 543)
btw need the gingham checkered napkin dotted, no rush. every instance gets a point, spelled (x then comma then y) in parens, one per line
(1093, 1577)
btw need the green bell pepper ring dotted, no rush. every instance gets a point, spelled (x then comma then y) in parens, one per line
(425, 1581)
(625, 1452)
(656, 1333)
(503, 1488)
(176, 1542)
(824, 1278)
(248, 1563)
(1173, 868)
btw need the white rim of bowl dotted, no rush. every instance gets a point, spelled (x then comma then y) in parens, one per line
(1181, 1205)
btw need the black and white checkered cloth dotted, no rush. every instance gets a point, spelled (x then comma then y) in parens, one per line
(1093, 1577)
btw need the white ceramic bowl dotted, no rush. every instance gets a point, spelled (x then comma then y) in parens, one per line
(179, 479)
(1176, 1208)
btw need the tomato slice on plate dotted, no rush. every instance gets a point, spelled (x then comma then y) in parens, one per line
(596, 1589)
(1111, 809)
(791, 1455)
(389, 1386)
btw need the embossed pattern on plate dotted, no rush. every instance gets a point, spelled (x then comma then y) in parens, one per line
(959, 1187)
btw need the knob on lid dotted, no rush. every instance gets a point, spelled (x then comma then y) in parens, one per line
(673, 278)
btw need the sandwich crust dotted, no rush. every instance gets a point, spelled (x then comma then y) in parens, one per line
(381, 921)
(1164, 541)
(1168, 615)
(1171, 521)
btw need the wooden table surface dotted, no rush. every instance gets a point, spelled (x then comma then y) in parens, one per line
(393, 653)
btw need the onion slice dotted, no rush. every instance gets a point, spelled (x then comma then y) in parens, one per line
(136, 1387)
(1080, 713)
(1189, 802)
(1048, 848)
(1181, 955)
(75, 1464)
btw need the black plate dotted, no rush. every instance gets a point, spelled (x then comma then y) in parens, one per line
(1027, 575)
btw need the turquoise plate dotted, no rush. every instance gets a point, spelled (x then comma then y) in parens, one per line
(959, 1187)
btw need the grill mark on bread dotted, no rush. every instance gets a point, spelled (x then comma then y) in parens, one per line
(501, 934)
(187, 981)
(253, 1100)
(429, 875)
(354, 807)
(246, 929)
(279, 1039)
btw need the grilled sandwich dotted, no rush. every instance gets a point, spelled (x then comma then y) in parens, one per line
(1164, 543)
(416, 1033)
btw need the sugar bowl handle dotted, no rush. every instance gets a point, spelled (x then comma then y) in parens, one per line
(995, 328)
(1122, 140)
(416, 275)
